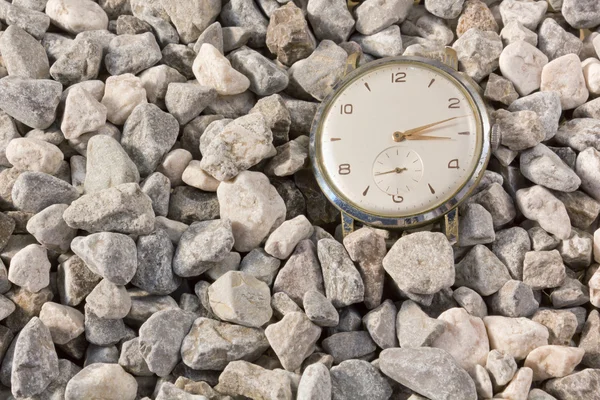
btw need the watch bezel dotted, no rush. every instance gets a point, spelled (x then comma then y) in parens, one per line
(385, 221)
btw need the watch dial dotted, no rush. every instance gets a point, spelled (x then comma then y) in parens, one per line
(399, 140)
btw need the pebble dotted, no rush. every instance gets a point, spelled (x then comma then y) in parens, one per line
(471, 301)
(330, 20)
(101, 354)
(387, 43)
(64, 323)
(565, 76)
(76, 16)
(476, 14)
(132, 54)
(555, 42)
(185, 101)
(587, 162)
(553, 361)
(35, 362)
(212, 345)
(79, 63)
(266, 77)
(29, 18)
(161, 337)
(50, 229)
(576, 251)
(225, 155)
(195, 176)
(543, 269)
(515, 336)
(589, 340)
(571, 293)
(500, 89)
(579, 134)
(109, 379)
(188, 204)
(109, 301)
(315, 383)
(30, 268)
(538, 204)
(544, 167)
(319, 309)
(432, 252)
(481, 271)
(240, 298)
(213, 35)
(213, 70)
(501, 367)
(373, 16)
(288, 35)
(246, 14)
(75, 281)
(530, 14)
(260, 265)
(476, 227)
(179, 57)
(358, 379)
(122, 94)
(348, 345)
(381, 325)
(156, 81)
(514, 299)
(522, 64)
(561, 324)
(445, 378)
(415, 328)
(510, 247)
(446, 9)
(518, 130)
(283, 240)
(83, 113)
(580, 385)
(241, 378)
(293, 339)
(482, 381)
(191, 18)
(546, 105)
(30, 101)
(200, 245)
(131, 358)
(591, 74)
(514, 31)
(23, 55)
(108, 165)
(154, 273)
(258, 208)
(173, 164)
(28, 154)
(581, 14)
(519, 386)
(478, 52)
(110, 255)
(277, 117)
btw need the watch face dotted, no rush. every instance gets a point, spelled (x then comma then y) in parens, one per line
(399, 139)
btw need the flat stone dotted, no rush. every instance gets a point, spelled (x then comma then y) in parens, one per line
(429, 250)
(161, 337)
(538, 204)
(481, 271)
(110, 255)
(109, 379)
(76, 16)
(514, 299)
(30, 268)
(123, 208)
(64, 323)
(23, 55)
(565, 76)
(35, 363)
(522, 64)
(415, 328)
(358, 378)
(450, 380)
(348, 345)
(200, 245)
(132, 54)
(246, 379)
(230, 297)
(553, 361)
(122, 94)
(515, 336)
(501, 366)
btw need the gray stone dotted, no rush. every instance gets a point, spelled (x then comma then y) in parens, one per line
(447, 9)
(501, 366)
(316, 75)
(478, 53)
(109, 301)
(579, 134)
(132, 54)
(587, 162)
(30, 101)
(277, 117)
(514, 31)
(571, 293)
(23, 55)
(29, 18)
(581, 14)
(144, 305)
(188, 204)
(154, 273)
(130, 25)
(546, 105)
(343, 284)
(295, 203)
(131, 358)
(539, 204)
(75, 281)
(293, 339)
(500, 89)
(35, 363)
(161, 337)
(555, 42)
(415, 328)
(64, 323)
(240, 298)
(179, 57)
(123, 208)
(158, 187)
(266, 77)
(510, 247)
(330, 20)
(28, 305)
(432, 252)
(530, 14)
(544, 167)
(288, 35)
(56, 389)
(591, 109)
(543, 269)
(246, 14)
(201, 244)
(349, 345)
(481, 271)
(110, 255)
(80, 62)
(101, 354)
(156, 81)
(103, 331)
(7, 227)
(319, 309)
(471, 301)
(291, 157)
(542, 240)
(405, 366)
(30, 268)
(580, 385)
(213, 35)
(498, 203)
(231, 262)
(576, 251)
(109, 379)
(315, 383)
(246, 379)
(518, 130)
(191, 18)
(590, 340)
(108, 165)
(561, 324)
(50, 229)
(185, 100)
(373, 16)
(514, 299)
(381, 325)
(300, 274)
(356, 379)
(387, 43)
(522, 64)
(260, 265)
(282, 305)
(232, 106)
(476, 226)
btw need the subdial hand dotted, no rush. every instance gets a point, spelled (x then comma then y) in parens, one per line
(393, 171)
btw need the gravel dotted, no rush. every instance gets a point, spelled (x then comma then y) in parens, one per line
(162, 235)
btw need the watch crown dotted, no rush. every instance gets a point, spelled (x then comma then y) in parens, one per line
(495, 137)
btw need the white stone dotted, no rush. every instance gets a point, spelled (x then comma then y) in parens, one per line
(212, 69)
(195, 176)
(30, 268)
(83, 113)
(191, 18)
(464, 337)
(529, 13)
(539, 204)
(597, 246)
(173, 165)
(565, 76)
(594, 285)
(253, 206)
(522, 64)
(515, 336)
(122, 94)
(518, 388)
(553, 361)
(27, 154)
(76, 16)
(587, 167)
(282, 242)
(591, 73)
(64, 323)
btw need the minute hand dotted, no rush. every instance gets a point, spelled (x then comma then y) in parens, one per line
(425, 127)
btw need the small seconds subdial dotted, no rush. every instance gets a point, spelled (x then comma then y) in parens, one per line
(397, 170)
